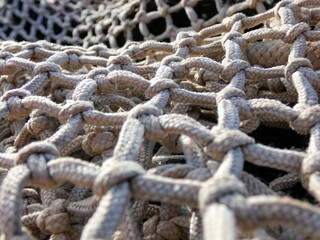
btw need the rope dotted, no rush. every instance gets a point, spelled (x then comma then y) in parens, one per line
(151, 138)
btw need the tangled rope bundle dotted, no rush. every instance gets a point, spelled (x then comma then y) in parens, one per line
(149, 141)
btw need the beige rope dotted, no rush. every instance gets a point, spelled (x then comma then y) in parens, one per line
(153, 140)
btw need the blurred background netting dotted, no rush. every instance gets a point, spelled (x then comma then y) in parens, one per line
(210, 105)
(114, 23)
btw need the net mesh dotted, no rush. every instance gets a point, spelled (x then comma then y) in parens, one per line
(159, 120)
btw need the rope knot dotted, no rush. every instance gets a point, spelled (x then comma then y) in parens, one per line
(215, 189)
(230, 36)
(294, 66)
(228, 93)
(122, 60)
(141, 16)
(295, 31)
(85, 90)
(73, 56)
(36, 148)
(13, 101)
(179, 71)
(55, 219)
(185, 42)
(226, 139)
(115, 173)
(46, 67)
(37, 124)
(170, 59)
(159, 84)
(33, 46)
(235, 37)
(152, 128)
(286, 3)
(100, 75)
(36, 155)
(4, 68)
(173, 62)
(148, 116)
(72, 108)
(230, 21)
(306, 119)
(137, 52)
(100, 50)
(231, 68)
(97, 72)
(144, 109)
(164, 10)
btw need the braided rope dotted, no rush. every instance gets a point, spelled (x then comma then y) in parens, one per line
(150, 140)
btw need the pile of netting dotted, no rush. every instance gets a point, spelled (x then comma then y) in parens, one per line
(207, 129)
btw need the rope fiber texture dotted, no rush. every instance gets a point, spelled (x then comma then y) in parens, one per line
(112, 129)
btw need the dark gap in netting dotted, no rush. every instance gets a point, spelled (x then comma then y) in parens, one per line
(175, 161)
(131, 14)
(105, 30)
(206, 9)
(137, 36)
(50, 9)
(172, 2)
(81, 155)
(69, 33)
(20, 5)
(33, 15)
(279, 138)
(40, 35)
(68, 9)
(27, 27)
(56, 28)
(156, 148)
(74, 23)
(264, 174)
(157, 26)
(155, 203)
(253, 28)
(180, 19)
(166, 40)
(9, 1)
(121, 40)
(108, 44)
(274, 2)
(207, 116)
(8, 31)
(151, 6)
(298, 192)
(82, 35)
(15, 19)
(267, 5)
(44, 22)
(19, 38)
(230, 2)
(249, 12)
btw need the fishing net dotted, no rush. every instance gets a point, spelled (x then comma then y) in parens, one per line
(159, 120)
